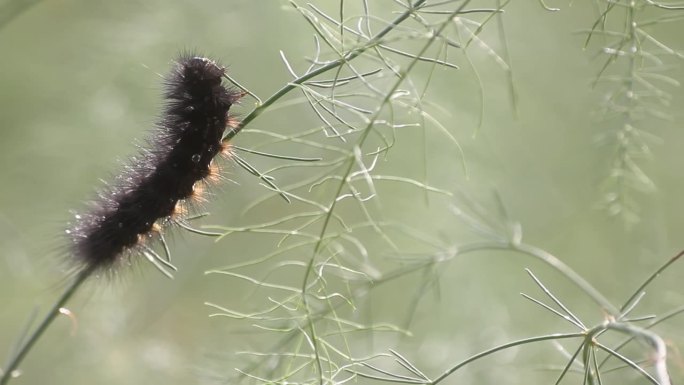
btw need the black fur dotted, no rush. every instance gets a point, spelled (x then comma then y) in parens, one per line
(178, 156)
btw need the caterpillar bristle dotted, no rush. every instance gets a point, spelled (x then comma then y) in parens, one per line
(156, 228)
(198, 193)
(232, 122)
(214, 175)
(155, 187)
(226, 151)
(179, 211)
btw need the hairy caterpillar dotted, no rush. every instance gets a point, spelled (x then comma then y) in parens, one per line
(170, 170)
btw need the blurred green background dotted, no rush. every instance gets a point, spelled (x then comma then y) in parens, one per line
(80, 80)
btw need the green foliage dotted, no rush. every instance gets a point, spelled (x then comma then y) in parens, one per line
(366, 249)
(637, 100)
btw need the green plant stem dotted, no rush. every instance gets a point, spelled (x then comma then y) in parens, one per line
(362, 138)
(589, 336)
(504, 347)
(351, 55)
(570, 274)
(653, 340)
(16, 359)
(549, 259)
(624, 343)
(653, 276)
(529, 250)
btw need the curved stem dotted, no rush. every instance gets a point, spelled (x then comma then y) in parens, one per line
(15, 360)
(504, 347)
(552, 261)
(564, 269)
(332, 65)
(653, 276)
(359, 143)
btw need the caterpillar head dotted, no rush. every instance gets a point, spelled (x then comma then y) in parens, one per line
(200, 73)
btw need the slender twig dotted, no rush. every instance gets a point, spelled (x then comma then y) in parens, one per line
(15, 360)
(549, 259)
(653, 276)
(504, 347)
(351, 162)
(351, 55)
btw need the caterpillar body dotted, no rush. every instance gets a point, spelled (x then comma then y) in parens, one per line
(169, 171)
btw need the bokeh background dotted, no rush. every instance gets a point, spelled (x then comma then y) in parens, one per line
(79, 81)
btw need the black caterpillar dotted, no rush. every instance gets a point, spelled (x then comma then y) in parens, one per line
(170, 171)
